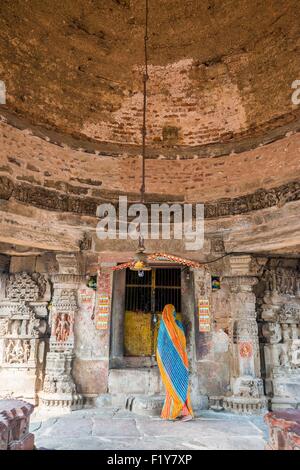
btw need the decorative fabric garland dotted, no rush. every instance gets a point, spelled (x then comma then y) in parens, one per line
(163, 257)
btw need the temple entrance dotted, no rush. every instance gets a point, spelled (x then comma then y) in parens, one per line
(137, 306)
(145, 298)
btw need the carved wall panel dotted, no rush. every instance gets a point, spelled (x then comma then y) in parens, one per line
(280, 315)
(23, 328)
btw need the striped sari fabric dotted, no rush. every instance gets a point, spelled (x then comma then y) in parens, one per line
(173, 365)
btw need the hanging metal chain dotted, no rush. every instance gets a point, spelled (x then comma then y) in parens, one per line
(145, 78)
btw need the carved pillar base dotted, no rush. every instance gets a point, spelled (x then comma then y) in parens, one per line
(247, 396)
(59, 389)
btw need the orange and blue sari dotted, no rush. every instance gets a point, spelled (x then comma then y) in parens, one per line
(173, 364)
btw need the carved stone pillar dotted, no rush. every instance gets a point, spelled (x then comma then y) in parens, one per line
(247, 386)
(59, 389)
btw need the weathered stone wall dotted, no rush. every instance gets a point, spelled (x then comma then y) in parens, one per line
(54, 171)
(212, 360)
(92, 343)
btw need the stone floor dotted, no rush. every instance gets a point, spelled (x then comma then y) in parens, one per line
(116, 429)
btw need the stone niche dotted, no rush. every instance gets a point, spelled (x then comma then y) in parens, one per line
(279, 307)
(24, 299)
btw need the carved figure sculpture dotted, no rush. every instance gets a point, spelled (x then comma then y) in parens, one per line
(62, 328)
(295, 353)
(272, 332)
(283, 356)
(14, 352)
(33, 325)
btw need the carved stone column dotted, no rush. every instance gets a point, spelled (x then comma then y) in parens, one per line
(59, 389)
(247, 386)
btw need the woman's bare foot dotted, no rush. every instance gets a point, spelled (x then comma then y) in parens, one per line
(187, 418)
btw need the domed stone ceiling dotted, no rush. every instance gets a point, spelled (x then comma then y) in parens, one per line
(222, 128)
(219, 71)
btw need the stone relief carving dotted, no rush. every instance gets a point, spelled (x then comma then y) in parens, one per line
(17, 351)
(65, 300)
(46, 198)
(217, 245)
(247, 328)
(284, 356)
(63, 326)
(21, 287)
(250, 388)
(289, 314)
(41, 283)
(22, 331)
(295, 353)
(62, 321)
(284, 280)
(272, 332)
(280, 312)
(33, 325)
(86, 242)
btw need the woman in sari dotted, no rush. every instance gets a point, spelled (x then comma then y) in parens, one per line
(173, 365)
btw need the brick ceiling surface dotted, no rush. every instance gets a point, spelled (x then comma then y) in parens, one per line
(220, 71)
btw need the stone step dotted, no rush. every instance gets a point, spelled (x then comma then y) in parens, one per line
(139, 390)
(142, 381)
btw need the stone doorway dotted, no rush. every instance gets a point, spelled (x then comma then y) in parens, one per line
(145, 298)
(136, 310)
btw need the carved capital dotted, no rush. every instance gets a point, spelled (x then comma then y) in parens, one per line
(240, 265)
(68, 263)
(241, 283)
(67, 280)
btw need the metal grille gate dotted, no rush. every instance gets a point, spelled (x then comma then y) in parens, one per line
(145, 298)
